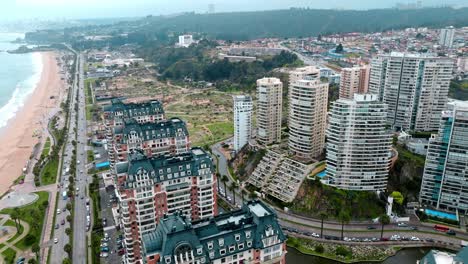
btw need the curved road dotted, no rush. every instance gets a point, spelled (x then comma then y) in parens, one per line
(333, 228)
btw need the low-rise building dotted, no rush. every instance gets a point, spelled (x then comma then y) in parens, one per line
(149, 188)
(249, 235)
(160, 138)
(279, 176)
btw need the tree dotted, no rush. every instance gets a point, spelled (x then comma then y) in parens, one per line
(384, 219)
(398, 197)
(36, 249)
(344, 219)
(233, 188)
(319, 248)
(15, 216)
(243, 193)
(339, 48)
(323, 216)
(68, 248)
(68, 231)
(45, 204)
(225, 179)
(69, 206)
(66, 261)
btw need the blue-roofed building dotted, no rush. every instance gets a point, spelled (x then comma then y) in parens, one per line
(249, 235)
(149, 188)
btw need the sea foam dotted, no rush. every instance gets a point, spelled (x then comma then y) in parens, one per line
(22, 91)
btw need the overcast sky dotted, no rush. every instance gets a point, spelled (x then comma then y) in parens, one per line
(18, 9)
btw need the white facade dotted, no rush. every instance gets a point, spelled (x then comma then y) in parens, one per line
(243, 108)
(185, 40)
(307, 117)
(359, 145)
(414, 86)
(269, 110)
(446, 36)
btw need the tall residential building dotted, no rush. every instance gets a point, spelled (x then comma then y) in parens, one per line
(354, 80)
(243, 109)
(248, 235)
(358, 144)
(446, 36)
(160, 138)
(304, 73)
(445, 179)
(414, 86)
(144, 112)
(149, 188)
(307, 117)
(269, 110)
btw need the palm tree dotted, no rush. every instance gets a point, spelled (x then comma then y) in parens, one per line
(243, 193)
(344, 218)
(233, 188)
(323, 216)
(15, 216)
(224, 179)
(384, 219)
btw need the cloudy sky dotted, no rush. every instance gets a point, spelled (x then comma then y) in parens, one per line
(18, 9)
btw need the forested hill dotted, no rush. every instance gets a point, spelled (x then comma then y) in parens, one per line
(306, 22)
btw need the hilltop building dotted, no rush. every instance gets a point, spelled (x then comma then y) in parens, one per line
(185, 41)
(444, 184)
(359, 144)
(149, 188)
(269, 110)
(414, 86)
(160, 138)
(354, 80)
(243, 110)
(249, 235)
(307, 117)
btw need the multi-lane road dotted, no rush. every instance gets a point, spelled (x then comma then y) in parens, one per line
(81, 181)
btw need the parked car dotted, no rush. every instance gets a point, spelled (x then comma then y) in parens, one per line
(414, 228)
(451, 232)
(104, 255)
(58, 211)
(20, 260)
(121, 252)
(57, 226)
(55, 240)
(402, 225)
(371, 227)
(105, 249)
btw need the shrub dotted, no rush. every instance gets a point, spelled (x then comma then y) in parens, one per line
(319, 248)
(29, 239)
(343, 251)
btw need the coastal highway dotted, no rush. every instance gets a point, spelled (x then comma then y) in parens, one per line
(58, 253)
(79, 222)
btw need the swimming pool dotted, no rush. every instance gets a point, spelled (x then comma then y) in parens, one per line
(441, 214)
(322, 174)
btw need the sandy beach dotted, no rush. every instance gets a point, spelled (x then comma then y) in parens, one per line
(29, 127)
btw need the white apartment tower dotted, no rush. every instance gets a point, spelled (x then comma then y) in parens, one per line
(243, 109)
(358, 144)
(446, 36)
(414, 86)
(269, 110)
(445, 179)
(185, 40)
(354, 80)
(307, 117)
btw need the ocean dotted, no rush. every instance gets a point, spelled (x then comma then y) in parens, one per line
(19, 75)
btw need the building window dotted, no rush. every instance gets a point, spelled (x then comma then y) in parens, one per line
(167, 259)
(231, 249)
(222, 251)
(221, 242)
(199, 251)
(247, 234)
(212, 254)
(210, 245)
(237, 237)
(249, 243)
(223, 260)
(241, 246)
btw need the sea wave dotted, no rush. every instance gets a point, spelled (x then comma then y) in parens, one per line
(22, 91)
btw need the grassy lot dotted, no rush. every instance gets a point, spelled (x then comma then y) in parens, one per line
(49, 172)
(89, 100)
(46, 149)
(13, 238)
(9, 255)
(90, 155)
(34, 215)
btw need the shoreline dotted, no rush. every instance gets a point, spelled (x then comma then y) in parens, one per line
(29, 125)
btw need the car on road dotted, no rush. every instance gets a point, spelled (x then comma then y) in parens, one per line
(371, 227)
(415, 239)
(104, 221)
(63, 222)
(58, 211)
(414, 228)
(315, 235)
(402, 225)
(57, 226)
(104, 255)
(104, 244)
(451, 232)
(105, 249)
(55, 240)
